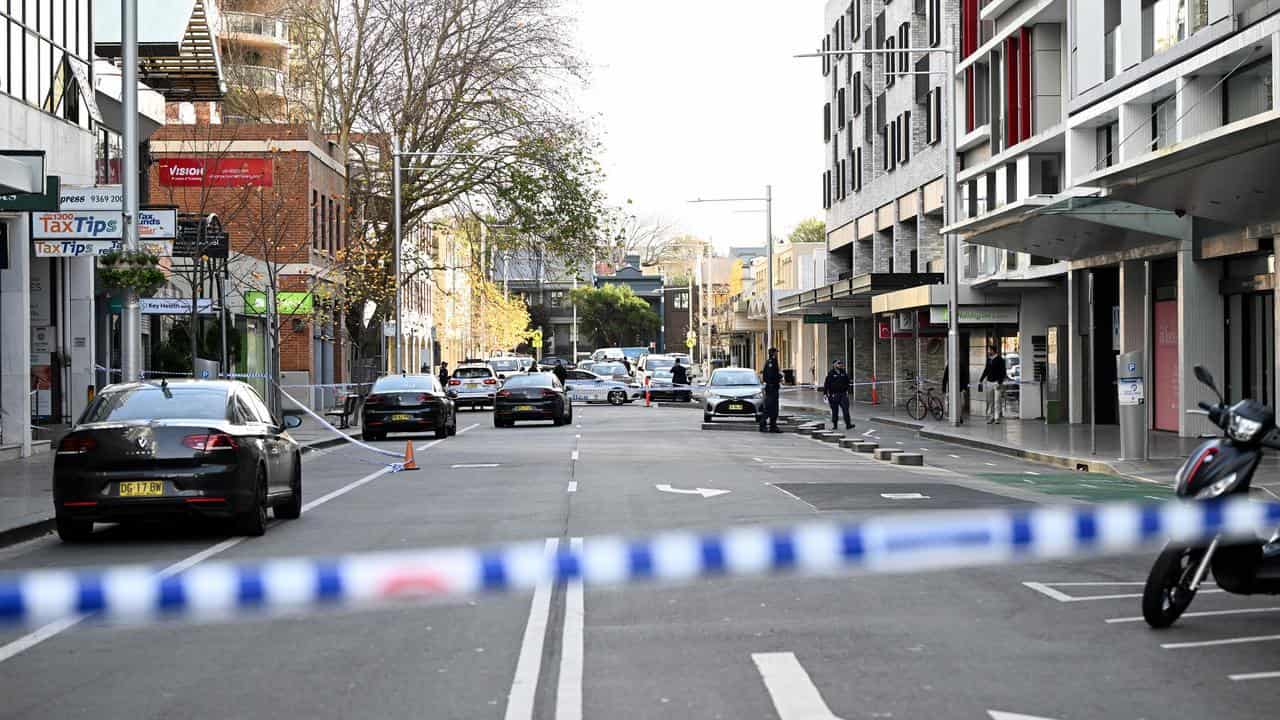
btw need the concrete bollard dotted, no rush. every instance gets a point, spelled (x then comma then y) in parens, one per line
(903, 458)
(866, 447)
(886, 453)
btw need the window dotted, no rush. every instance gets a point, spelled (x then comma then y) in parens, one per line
(1247, 92)
(904, 41)
(1107, 149)
(891, 63)
(904, 132)
(840, 114)
(681, 301)
(933, 128)
(315, 219)
(855, 176)
(1163, 118)
(826, 123)
(44, 55)
(934, 15)
(855, 87)
(855, 20)
(557, 298)
(826, 59)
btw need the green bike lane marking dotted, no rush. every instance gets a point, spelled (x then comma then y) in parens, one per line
(1091, 487)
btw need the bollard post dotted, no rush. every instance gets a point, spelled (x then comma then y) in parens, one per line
(646, 392)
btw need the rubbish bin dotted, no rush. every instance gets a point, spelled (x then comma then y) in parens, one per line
(789, 376)
(1133, 406)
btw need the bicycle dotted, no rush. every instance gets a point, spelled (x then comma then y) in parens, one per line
(923, 402)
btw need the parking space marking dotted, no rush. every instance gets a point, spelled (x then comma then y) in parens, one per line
(794, 695)
(1203, 613)
(465, 466)
(569, 692)
(1049, 590)
(1255, 676)
(573, 486)
(524, 685)
(1219, 642)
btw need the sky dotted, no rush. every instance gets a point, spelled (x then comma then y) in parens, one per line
(701, 98)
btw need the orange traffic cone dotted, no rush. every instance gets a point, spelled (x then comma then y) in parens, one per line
(646, 393)
(409, 462)
(875, 397)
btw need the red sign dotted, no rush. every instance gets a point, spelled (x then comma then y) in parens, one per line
(223, 172)
(886, 333)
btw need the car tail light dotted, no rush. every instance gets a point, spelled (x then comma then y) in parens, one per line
(504, 393)
(549, 393)
(455, 381)
(211, 442)
(425, 397)
(373, 400)
(76, 445)
(490, 381)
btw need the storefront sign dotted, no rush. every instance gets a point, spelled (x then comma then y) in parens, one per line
(174, 306)
(157, 224)
(1132, 391)
(48, 201)
(86, 225)
(287, 303)
(94, 248)
(977, 315)
(884, 331)
(222, 172)
(90, 197)
(42, 341)
(818, 319)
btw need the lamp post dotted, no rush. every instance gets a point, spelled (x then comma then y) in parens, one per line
(768, 224)
(130, 313)
(952, 262)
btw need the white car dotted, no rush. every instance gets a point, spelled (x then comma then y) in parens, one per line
(649, 364)
(473, 385)
(505, 367)
(584, 386)
(613, 354)
(733, 392)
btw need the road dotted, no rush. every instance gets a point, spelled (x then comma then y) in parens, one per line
(1042, 641)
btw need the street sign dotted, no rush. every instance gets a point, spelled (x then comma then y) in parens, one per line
(215, 242)
(287, 303)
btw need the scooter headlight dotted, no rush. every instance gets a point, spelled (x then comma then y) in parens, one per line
(1218, 488)
(1242, 428)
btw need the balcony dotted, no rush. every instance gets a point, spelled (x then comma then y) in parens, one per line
(255, 29)
(257, 78)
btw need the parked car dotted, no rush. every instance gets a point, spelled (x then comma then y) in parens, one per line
(408, 403)
(505, 367)
(473, 386)
(536, 396)
(614, 370)
(585, 386)
(635, 353)
(187, 447)
(649, 363)
(608, 354)
(550, 361)
(733, 392)
(661, 387)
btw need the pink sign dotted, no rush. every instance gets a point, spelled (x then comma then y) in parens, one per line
(1165, 395)
(222, 172)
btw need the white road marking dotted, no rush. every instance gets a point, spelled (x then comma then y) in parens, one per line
(1045, 589)
(529, 663)
(757, 459)
(989, 464)
(1255, 676)
(573, 486)
(53, 629)
(569, 693)
(869, 433)
(957, 457)
(1153, 497)
(1205, 613)
(1030, 472)
(998, 715)
(574, 455)
(704, 492)
(474, 465)
(904, 496)
(1223, 641)
(1048, 591)
(794, 695)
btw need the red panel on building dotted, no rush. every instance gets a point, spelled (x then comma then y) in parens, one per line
(1166, 365)
(219, 172)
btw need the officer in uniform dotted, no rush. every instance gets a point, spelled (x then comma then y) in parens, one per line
(836, 390)
(772, 390)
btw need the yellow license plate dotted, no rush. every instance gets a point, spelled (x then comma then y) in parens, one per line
(524, 408)
(472, 386)
(737, 406)
(149, 488)
(401, 418)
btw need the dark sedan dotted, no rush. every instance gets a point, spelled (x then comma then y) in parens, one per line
(208, 448)
(408, 403)
(537, 396)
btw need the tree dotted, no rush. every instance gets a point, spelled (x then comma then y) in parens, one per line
(650, 238)
(614, 316)
(811, 230)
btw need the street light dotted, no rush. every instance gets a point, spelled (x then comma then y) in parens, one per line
(130, 190)
(952, 275)
(768, 222)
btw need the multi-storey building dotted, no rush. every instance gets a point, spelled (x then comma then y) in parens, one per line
(1117, 163)
(545, 283)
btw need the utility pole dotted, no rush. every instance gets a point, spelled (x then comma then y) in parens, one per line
(395, 194)
(768, 237)
(131, 313)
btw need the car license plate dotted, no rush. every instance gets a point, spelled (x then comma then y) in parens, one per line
(524, 408)
(149, 488)
(736, 406)
(401, 417)
(472, 386)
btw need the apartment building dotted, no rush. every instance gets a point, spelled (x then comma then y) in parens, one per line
(1117, 159)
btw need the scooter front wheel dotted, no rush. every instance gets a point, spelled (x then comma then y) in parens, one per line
(1168, 590)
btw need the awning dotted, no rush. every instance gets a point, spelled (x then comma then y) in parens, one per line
(854, 292)
(177, 46)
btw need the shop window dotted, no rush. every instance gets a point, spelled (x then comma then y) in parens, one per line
(1107, 138)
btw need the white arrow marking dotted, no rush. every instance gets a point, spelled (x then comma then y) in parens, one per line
(904, 496)
(869, 433)
(704, 492)
(997, 715)
(794, 695)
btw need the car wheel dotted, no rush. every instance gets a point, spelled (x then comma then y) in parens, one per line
(498, 422)
(291, 509)
(453, 427)
(442, 432)
(252, 521)
(706, 417)
(617, 397)
(71, 530)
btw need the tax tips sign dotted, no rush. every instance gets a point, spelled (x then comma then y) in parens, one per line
(76, 225)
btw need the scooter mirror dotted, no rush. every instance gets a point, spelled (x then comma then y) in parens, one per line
(1206, 377)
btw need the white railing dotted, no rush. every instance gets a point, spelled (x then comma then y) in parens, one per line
(242, 23)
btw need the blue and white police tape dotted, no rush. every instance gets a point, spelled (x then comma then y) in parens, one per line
(890, 544)
(395, 467)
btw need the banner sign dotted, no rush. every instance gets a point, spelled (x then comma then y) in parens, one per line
(287, 303)
(977, 315)
(174, 306)
(157, 224)
(86, 225)
(93, 197)
(219, 172)
(93, 248)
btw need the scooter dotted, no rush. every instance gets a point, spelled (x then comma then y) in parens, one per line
(1221, 467)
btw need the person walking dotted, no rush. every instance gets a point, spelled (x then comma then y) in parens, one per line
(679, 376)
(836, 390)
(561, 374)
(444, 373)
(996, 373)
(772, 393)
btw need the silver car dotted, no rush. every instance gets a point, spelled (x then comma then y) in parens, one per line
(505, 367)
(473, 385)
(584, 386)
(733, 392)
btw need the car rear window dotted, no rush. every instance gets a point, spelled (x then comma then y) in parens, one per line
(504, 365)
(608, 369)
(533, 380)
(735, 377)
(177, 402)
(656, 363)
(392, 383)
(473, 372)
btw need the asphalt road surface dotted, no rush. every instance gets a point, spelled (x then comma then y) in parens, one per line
(1060, 641)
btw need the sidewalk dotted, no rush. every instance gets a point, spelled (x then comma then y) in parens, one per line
(1067, 446)
(26, 487)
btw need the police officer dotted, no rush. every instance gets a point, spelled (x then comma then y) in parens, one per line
(836, 390)
(679, 376)
(772, 390)
(561, 374)
(444, 373)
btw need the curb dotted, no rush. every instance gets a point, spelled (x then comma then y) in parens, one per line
(33, 530)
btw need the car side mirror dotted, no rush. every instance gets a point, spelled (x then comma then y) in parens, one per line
(292, 421)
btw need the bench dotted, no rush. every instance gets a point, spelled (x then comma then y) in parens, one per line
(346, 412)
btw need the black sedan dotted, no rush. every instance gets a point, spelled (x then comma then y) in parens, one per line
(189, 447)
(408, 403)
(537, 396)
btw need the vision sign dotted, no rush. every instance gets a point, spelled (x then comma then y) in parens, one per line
(220, 172)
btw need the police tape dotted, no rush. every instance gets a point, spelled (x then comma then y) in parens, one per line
(890, 544)
(395, 467)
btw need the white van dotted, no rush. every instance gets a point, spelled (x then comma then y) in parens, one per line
(613, 354)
